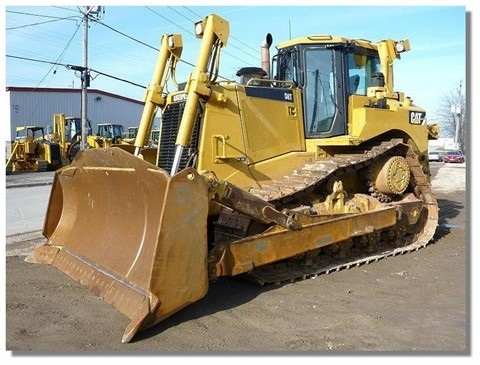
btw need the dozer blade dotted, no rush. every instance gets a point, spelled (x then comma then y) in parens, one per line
(131, 233)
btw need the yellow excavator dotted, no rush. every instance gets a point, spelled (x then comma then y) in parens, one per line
(309, 164)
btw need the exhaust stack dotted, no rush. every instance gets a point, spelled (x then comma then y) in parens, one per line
(265, 50)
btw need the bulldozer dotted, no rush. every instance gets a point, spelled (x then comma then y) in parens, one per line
(112, 135)
(309, 164)
(132, 134)
(32, 152)
(107, 135)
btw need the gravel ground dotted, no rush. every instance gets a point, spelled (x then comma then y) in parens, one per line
(414, 304)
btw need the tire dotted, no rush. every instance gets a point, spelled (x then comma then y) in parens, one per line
(73, 150)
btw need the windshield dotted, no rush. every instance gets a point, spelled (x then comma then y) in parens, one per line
(117, 131)
(110, 131)
(453, 153)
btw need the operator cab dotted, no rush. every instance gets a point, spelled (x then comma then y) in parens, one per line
(328, 72)
(73, 128)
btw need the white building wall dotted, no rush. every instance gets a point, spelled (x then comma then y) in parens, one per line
(37, 106)
(441, 144)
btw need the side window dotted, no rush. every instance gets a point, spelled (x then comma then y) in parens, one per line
(360, 70)
(286, 63)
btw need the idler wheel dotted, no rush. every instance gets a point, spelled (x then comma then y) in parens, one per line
(392, 176)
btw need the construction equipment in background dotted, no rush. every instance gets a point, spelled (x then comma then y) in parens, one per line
(32, 152)
(154, 138)
(112, 135)
(108, 134)
(67, 132)
(322, 166)
(151, 142)
(132, 132)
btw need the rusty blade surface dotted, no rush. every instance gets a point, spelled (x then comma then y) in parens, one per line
(128, 231)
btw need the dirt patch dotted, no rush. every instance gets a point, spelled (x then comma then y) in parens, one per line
(416, 302)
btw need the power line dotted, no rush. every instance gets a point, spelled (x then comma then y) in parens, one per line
(231, 36)
(59, 57)
(75, 68)
(52, 19)
(117, 78)
(160, 15)
(38, 15)
(191, 33)
(176, 11)
(125, 35)
(54, 65)
(136, 40)
(57, 63)
(34, 24)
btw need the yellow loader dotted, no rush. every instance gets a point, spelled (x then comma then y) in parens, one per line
(310, 164)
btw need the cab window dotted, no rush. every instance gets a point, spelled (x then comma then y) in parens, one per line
(361, 67)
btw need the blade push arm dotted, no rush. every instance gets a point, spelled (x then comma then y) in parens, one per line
(214, 32)
(170, 52)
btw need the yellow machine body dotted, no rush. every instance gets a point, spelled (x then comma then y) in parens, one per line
(33, 152)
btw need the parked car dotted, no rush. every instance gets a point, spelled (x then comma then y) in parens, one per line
(435, 155)
(454, 156)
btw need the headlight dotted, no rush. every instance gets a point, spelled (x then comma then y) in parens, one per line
(400, 47)
(171, 42)
(199, 28)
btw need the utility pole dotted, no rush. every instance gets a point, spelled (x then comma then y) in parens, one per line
(456, 110)
(86, 72)
(84, 78)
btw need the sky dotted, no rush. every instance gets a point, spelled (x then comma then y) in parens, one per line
(124, 41)
(125, 46)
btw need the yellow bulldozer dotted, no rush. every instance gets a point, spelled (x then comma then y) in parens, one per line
(132, 134)
(32, 151)
(310, 164)
(108, 134)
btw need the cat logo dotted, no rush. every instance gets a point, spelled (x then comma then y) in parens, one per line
(417, 117)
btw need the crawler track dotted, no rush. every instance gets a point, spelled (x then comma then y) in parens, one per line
(297, 187)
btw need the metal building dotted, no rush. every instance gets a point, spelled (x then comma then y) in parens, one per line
(36, 106)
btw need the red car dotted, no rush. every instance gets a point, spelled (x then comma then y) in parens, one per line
(453, 156)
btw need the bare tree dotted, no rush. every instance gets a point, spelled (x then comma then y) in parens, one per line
(451, 116)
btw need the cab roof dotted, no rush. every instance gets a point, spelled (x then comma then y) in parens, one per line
(327, 39)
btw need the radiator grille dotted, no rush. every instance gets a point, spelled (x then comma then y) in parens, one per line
(171, 119)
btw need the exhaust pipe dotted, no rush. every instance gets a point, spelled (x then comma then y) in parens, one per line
(265, 50)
